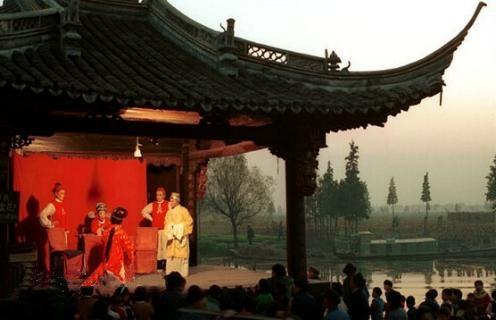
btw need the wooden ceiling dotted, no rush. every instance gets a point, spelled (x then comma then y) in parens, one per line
(99, 144)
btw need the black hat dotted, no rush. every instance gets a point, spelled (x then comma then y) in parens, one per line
(119, 213)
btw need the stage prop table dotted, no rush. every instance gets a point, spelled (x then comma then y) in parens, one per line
(146, 250)
(62, 260)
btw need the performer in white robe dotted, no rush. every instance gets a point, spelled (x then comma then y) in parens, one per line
(179, 226)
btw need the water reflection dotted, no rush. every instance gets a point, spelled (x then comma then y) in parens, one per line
(410, 277)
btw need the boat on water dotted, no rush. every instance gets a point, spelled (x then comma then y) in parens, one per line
(364, 247)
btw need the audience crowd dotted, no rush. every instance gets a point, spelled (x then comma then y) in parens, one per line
(280, 297)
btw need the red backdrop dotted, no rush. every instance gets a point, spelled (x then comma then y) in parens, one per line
(86, 182)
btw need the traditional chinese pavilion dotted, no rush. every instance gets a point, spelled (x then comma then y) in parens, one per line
(84, 78)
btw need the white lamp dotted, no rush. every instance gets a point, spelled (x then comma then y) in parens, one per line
(137, 151)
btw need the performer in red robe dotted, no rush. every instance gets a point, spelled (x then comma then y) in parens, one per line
(54, 214)
(118, 251)
(156, 212)
(100, 223)
(51, 217)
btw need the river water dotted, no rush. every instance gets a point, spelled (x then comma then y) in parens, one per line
(416, 277)
(410, 277)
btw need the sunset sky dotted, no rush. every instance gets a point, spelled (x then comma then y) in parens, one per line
(455, 143)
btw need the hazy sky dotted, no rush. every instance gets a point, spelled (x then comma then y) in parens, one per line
(455, 143)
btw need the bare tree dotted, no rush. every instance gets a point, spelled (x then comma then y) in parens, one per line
(236, 192)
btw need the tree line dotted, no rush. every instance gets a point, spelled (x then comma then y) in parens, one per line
(238, 193)
(347, 200)
(334, 200)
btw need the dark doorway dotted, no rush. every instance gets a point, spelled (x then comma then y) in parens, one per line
(161, 176)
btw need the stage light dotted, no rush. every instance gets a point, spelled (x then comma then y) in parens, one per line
(137, 150)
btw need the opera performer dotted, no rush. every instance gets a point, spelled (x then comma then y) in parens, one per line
(118, 251)
(179, 225)
(54, 219)
(100, 223)
(156, 212)
(54, 214)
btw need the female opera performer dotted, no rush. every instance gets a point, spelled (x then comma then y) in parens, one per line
(54, 215)
(118, 251)
(100, 223)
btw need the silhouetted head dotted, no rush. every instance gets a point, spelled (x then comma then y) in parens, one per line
(349, 269)
(263, 285)
(388, 285)
(358, 281)
(140, 294)
(410, 302)
(196, 297)
(214, 291)
(331, 299)
(479, 285)
(174, 281)
(313, 273)
(376, 292)
(278, 270)
(431, 294)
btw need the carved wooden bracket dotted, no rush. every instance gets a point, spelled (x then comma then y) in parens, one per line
(19, 141)
(201, 179)
(300, 150)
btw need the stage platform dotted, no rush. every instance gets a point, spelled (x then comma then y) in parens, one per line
(203, 276)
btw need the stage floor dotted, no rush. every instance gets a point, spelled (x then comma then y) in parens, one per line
(203, 276)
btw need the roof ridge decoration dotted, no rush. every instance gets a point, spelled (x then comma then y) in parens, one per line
(70, 39)
(249, 51)
(227, 50)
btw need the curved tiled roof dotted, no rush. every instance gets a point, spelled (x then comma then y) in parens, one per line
(136, 58)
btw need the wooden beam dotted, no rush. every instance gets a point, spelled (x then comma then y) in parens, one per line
(47, 125)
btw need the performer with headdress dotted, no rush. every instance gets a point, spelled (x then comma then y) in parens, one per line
(118, 251)
(100, 223)
(155, 212)
(179, 226)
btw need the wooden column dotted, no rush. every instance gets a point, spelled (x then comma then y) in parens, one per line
(5, 185)
(300, 152)
(188, 199)
(295, 223)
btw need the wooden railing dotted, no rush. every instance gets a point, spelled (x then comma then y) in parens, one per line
(250, 49)
(27, 21)
(241, 47)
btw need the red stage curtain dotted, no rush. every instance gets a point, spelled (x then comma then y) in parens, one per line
(86, 182)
